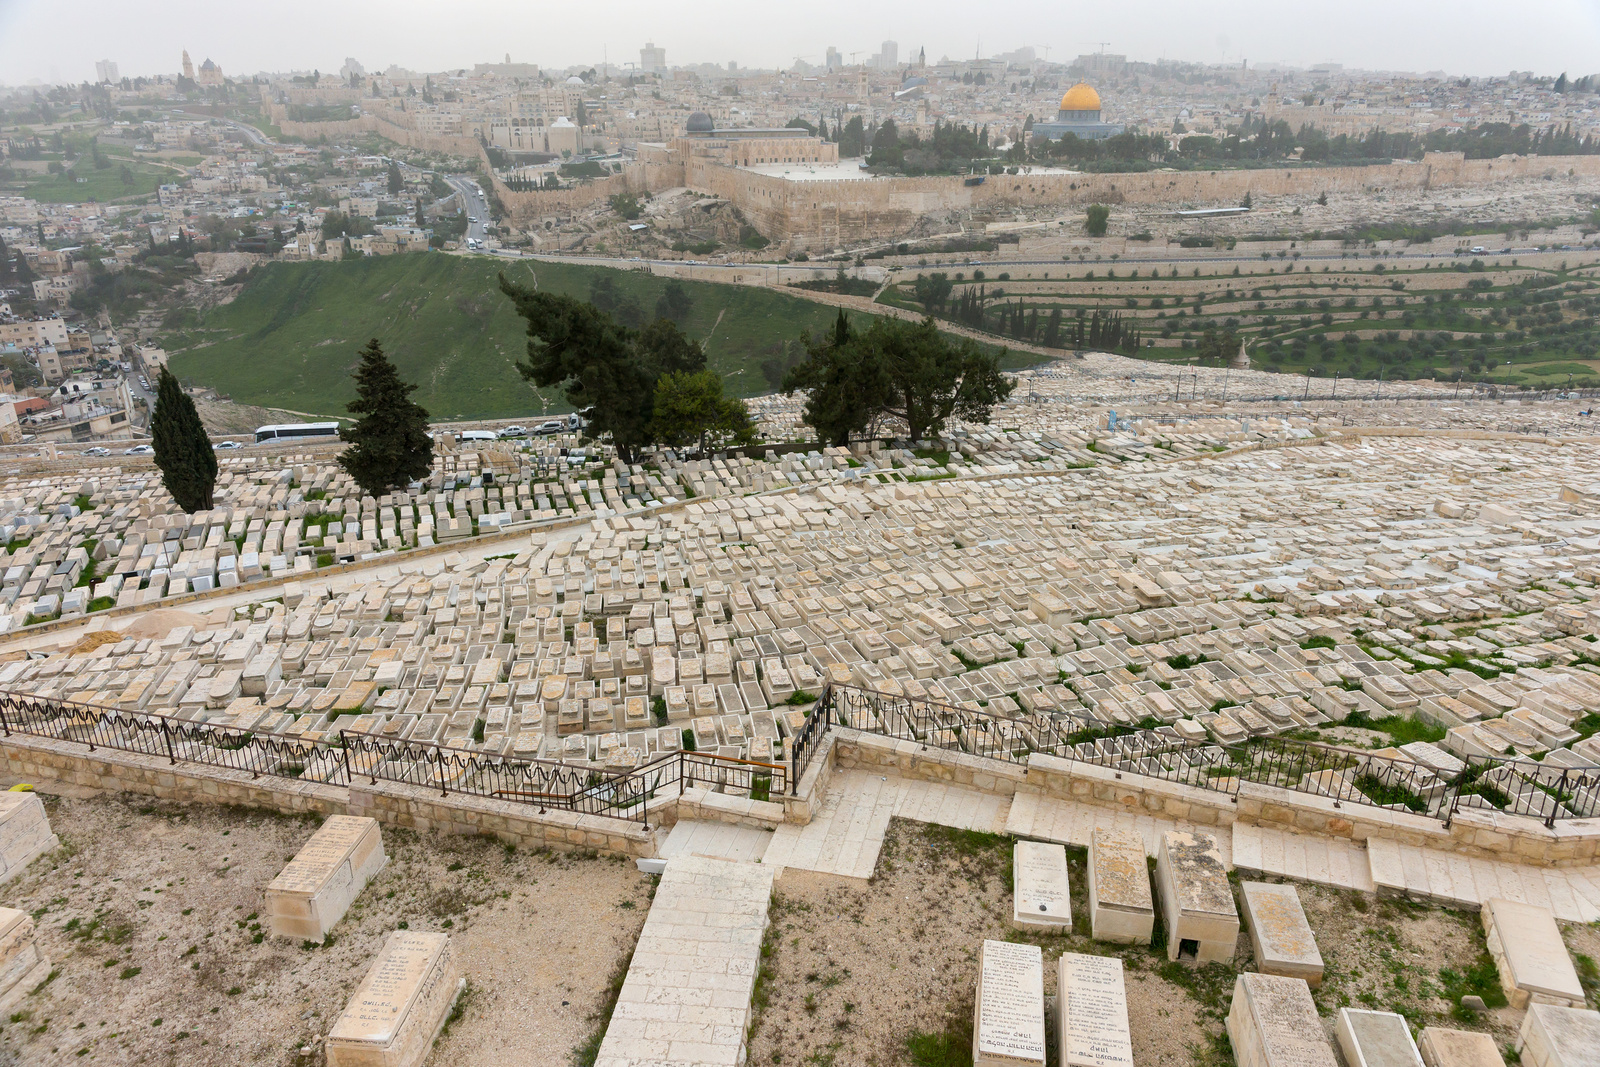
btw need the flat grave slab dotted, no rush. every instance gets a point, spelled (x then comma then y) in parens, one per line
(1443, 1047)
(1279, 933)
(1121, 909)
(1008, 1013)
(1273, 1023)
(1555, 1036)
(1527, 948)
(400, 1006)
(21, 966)
(1092, 1005)
(1041, 894)
(312, 893)
(1196, 899)
(1375, 1039)
(24, 832)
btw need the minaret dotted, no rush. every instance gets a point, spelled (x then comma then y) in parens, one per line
(188, 67)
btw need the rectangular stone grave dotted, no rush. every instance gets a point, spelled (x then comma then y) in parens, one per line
(1040, 892)
(1554, 1036)
(1441, 1047)
(400, 1006)
(1527, 948)
(1120, 906)
(22, 968)
(1008, 1013)
(311, 894)
(1196, 899)
(1092, 1012)
(1375, 1039)
(1279, 934)
(1273, 1023)
(24, 832)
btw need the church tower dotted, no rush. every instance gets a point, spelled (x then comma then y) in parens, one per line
(188, 66)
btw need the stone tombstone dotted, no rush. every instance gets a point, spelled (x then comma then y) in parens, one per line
(1273, 1023)
(1532, 959)
(1441, 1047)
(1121, 909)
(1008, 1013)
(311, 894)
(1554, 1036)
(22, 968)
(24, 832)
(1040, 892)
(400, 1006)
(1279, 933)
(1196, 899)
(1375, 1039)
(1092, 1006)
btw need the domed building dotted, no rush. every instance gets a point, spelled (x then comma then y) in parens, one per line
(1079, 115)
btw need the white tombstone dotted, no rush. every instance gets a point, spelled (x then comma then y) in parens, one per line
(400, 1006)
(24, 832)
(1279, 933)
(21, 966)
(311, 894)
(1121, 909)
(1273, 1023)
(1041, 895)
(1375, 1039)
(1196, 899)
(1092, 1012)
(1008, 1011)
(1530, 955)
(1553, 1036)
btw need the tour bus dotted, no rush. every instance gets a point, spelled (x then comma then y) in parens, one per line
(290, 430)
(477, 435)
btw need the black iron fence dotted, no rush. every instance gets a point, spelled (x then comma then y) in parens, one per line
(1524, 787)
(340, 758)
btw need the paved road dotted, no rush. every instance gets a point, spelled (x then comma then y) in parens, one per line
(476, 203)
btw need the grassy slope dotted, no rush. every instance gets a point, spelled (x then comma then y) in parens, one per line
(102, 185)
(292, 336)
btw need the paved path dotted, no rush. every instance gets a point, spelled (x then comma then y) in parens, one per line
(845, 836)
(1573, 894)
(1042, 818)
(718, 840)
(1314, 858)
(686, 999)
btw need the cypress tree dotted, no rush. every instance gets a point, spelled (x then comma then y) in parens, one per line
(183, 451)
(389, 445)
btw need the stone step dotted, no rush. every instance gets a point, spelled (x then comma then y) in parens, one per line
(686, 997)
(1332, 861)
(1573, 895)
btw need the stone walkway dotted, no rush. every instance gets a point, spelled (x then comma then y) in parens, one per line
(686, 999)
(1067, 822)
(1333, 861)
(844, 837)
(1573, 894)
(718, 840)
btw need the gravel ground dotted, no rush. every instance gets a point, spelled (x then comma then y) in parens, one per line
(881, 973)
(148, 913)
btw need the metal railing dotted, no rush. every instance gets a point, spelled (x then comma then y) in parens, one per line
(341, 758)
(1511, 786)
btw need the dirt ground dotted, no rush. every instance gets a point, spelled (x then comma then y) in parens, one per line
(149, 915)
(881, 974)
(226, 417)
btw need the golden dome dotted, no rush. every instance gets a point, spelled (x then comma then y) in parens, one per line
(1081, 98)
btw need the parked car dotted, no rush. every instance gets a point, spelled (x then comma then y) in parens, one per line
(514, 431)
(226, 444)
(97, 451)
(553, 426)
(138, 450)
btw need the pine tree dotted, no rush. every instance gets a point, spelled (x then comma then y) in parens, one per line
(389, 445)
(183, 451)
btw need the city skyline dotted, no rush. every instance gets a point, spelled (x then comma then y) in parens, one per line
(1561, 35)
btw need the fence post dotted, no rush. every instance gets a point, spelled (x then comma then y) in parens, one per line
(5, 721)
(1561, 791)
(344, 745)
(443, 789)
(166, 734)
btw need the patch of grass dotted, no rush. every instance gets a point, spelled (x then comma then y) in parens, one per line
(587, 1053)
(950, 1046)
(1381, 793)
(464, 999)
(1479, 978)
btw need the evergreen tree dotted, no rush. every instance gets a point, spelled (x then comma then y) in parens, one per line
(183, 451)
(389, 445)
(1052, 331)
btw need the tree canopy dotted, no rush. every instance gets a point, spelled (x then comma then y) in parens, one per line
(389, 444)
(183, 450)
(907, 371)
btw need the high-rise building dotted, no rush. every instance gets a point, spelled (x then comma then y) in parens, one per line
(353, 69)
(652, 60)
(835, 61)
(105, 71)
(889, 57)
(188, 66)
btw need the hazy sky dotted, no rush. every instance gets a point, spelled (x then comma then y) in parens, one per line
(57, 40)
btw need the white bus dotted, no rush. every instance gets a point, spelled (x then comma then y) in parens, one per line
(291, 430)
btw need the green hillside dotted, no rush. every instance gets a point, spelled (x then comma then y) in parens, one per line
(292, 336)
